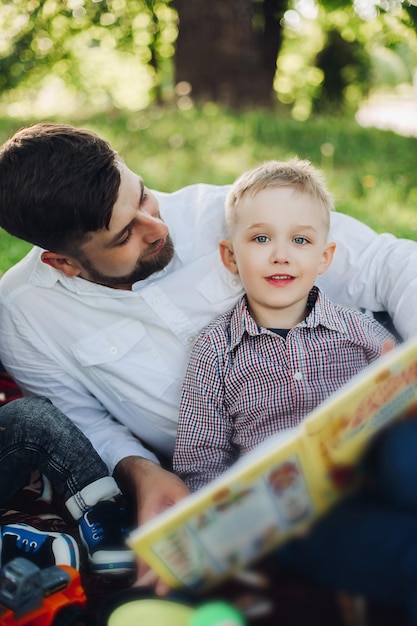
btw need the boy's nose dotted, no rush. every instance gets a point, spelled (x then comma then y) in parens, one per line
(279, 256)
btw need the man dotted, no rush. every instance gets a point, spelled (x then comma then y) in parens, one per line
(102, 316)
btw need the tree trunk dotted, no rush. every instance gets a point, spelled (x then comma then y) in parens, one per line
(227, 49)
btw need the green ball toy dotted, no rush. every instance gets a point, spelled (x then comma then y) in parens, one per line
(217, 613)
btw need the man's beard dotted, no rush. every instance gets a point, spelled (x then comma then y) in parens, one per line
(144, 268)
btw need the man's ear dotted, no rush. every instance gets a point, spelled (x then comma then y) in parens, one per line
(66, 265)
(326, 257)
(228, 256)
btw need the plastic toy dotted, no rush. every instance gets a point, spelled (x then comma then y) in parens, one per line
(41, 597)
(217, 613)
(138, 606)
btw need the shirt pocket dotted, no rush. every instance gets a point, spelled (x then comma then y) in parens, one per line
(122, 359)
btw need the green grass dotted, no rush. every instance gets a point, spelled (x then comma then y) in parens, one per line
(372, 173)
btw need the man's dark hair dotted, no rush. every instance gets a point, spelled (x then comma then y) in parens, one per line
(57, 183)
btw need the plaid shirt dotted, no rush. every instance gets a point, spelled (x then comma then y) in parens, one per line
(244, 383)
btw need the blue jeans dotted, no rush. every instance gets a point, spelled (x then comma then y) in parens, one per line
(34, 434)
(367, 544)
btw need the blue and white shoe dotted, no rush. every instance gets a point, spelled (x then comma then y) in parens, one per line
(103, 531)
(39, 547)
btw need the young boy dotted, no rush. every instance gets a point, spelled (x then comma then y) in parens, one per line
(265, 364)
(34, 434)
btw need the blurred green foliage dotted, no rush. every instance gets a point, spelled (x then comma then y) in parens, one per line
(372, 173)
(93, 52)
(71, 55)
(333, 57)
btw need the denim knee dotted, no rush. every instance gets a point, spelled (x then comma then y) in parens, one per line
(35, 419)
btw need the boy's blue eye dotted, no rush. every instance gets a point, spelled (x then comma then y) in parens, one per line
(300, 240)
(261, 238)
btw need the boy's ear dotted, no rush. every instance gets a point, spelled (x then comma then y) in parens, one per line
(66, 265)
(228, 256)
(327, 257)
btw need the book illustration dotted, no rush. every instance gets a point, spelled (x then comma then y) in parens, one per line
(286, 482)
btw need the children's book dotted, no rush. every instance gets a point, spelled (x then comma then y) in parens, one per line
(273, 492)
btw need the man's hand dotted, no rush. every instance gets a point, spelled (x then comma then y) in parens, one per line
(154, 490)
(387, 346)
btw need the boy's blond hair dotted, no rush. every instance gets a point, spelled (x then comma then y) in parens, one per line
(299, 174)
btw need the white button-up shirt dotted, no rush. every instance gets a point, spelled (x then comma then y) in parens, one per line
(114, 360)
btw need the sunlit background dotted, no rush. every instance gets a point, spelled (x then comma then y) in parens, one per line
(136, 72)
(82, 55)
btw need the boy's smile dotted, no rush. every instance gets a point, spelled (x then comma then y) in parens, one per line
(279, 280)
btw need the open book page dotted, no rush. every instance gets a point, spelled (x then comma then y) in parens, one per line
(234, 520)
(283, 484)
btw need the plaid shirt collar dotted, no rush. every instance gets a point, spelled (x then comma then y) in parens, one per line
(321, 314)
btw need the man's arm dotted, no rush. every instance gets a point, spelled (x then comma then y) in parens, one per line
(37, 372)
(153, 489)
(137, 469)
(373, 272)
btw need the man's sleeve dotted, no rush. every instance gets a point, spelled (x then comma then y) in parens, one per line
(37, 373)
(373, 272)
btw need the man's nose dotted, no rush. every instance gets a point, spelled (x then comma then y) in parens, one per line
(153, 228)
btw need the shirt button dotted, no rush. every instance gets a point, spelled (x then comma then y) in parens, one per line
(191, 339)
(235, 282)
(113, 350)
(298, 376)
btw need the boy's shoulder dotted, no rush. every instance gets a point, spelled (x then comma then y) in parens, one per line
(354, 321)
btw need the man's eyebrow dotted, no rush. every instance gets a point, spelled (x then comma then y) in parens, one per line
(141, 190)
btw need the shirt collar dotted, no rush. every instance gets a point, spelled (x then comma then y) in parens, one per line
(44, 275)
(322, 314)
(242, 322)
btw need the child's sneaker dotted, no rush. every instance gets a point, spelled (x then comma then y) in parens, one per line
(42, 548)
(103, 530)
